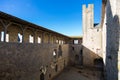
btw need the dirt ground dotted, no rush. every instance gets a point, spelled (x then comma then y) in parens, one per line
(78, 73)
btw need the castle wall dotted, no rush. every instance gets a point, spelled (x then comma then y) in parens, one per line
(76, 55)
(111, 27)
(23, 61)
(92, 37)
(40, 53)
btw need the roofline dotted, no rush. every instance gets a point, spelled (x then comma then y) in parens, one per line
(76, 36)
(24, 22)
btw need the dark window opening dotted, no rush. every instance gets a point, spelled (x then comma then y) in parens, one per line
(99, 63)
(42, 76)
(56, 68)
(49, 75)
(64, 63)
(76, 57)
(60, 51)
(73, 48)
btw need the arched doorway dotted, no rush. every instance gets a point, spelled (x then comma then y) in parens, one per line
(98, 62)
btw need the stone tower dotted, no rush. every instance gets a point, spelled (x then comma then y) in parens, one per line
(88, 20)
(92, 36)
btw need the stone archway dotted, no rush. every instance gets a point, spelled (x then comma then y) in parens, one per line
(29, 33)
(13, 30)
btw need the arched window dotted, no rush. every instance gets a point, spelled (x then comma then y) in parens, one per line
(31, 39)
(39, 39)
(19, 38)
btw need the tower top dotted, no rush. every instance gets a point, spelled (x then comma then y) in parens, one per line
(89, 6)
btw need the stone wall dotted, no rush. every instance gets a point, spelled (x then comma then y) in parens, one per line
(23, 61)
(76, 55)
(92, 37)
(111, 27)
(40, 53)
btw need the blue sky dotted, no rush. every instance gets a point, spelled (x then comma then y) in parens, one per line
(63, 16)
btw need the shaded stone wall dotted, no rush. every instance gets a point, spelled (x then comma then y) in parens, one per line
(76, 55)
(111, 28)
(22, 61)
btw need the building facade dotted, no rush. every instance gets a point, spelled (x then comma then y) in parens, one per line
(104, 37)
(31, 52)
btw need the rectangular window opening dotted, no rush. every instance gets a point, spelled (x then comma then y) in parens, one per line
(7, 37)
(75, 41)
(57, 41)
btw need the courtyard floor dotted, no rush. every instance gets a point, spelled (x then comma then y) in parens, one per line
(77, 73)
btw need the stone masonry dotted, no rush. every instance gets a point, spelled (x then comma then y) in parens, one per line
(31, 52)
(92, 37)
(106, 37)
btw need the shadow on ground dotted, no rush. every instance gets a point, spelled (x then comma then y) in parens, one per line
(80, 73)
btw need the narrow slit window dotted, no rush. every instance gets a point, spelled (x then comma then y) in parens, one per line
(56, 41)
(2, 36)
(19, 38)
(7, 37)
(62, 42)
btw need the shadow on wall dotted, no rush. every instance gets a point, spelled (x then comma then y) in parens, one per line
(76, 55)
(112, 44)
(83, 56)
(91, 59)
